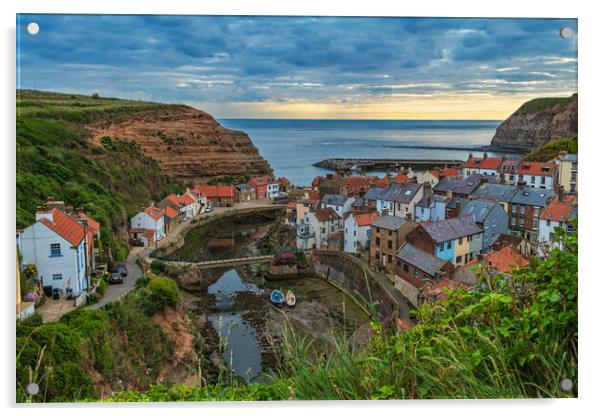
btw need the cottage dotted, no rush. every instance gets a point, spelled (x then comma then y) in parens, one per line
(458, 239)
(419, 267)
(171, 217)
(484, 166)
(341, 204)
(266, 187)
(333, 184)
(556, 214)
(387, 234)
(490, 216)
(217, 195)
(185, 205)
(316, 227)
(496, 192)
(245, 192)
(399, 199)
(525, 208)
(567, 172)
(61, 247)
(458, 190)
(508, 171)
(430, 208)
(284, 184)
(540, 175)
(357, 231)
(150, 218)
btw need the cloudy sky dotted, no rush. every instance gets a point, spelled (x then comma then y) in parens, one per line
(303, 67)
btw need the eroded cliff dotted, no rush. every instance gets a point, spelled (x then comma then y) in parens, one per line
(536, 123)
(189, 144)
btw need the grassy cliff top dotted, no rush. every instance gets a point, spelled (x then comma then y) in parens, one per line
(78, 108)
(542, 104)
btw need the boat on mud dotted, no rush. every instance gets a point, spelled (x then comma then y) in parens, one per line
(277, 298)
(291, 300)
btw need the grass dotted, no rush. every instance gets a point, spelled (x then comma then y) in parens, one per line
(541, 104)
(551, 150)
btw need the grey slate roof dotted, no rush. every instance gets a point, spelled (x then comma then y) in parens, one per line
(433, 197)
(389, 222)
(358, 203)
(332, 199)
(452, 228)
(460, 185)
(496, 192)
(571, 157)
(408, 192)
(533, 196)
(390, 193)
(420, 259)
(373, 193)
(243, 187)
(480, 208)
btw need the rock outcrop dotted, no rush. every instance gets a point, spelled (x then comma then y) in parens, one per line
(536, 123)
(189, 144)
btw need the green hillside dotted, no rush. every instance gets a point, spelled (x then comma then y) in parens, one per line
(551, 150)
(542, 104)
(54, 158)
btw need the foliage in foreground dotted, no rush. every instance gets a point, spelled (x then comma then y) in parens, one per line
(512, 337)
(119, 344)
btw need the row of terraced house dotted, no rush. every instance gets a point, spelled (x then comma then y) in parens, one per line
(428, 229)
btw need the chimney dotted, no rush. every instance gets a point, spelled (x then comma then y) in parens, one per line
(560, 192)
(51, 204)
(484, 155)
(449, 194)
(428, 188)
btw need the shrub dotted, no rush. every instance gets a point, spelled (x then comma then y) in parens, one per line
(157, 266)
(160, 292)
(142, 282)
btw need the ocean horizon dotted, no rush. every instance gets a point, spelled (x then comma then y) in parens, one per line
(292, 146)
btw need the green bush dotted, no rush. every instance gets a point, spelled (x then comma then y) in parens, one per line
(157, 267)
(163, 292)
(142, 282)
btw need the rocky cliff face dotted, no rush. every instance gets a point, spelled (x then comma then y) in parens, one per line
(189, 144)
(536, 123)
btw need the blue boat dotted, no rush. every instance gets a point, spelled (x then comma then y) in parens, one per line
(277, 298)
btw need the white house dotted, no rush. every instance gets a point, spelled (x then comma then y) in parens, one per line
(540, 175)
(357, 231)
(341, 204)
(151, 218)
(318, 226)
(430, 208)
(60, 247)
(556, 214)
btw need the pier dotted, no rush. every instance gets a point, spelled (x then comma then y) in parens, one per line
(345, 165)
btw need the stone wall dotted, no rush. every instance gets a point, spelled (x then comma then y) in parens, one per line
(409, 291)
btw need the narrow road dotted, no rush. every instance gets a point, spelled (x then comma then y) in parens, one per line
(114, 292)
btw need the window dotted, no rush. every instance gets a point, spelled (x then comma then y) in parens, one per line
(441, 246)
(57, 277)
(389, 258)
(354, 233)
(514, 209)
(390, 233)
(378, 231)
(543, 180)
(405, 267)
(532, 179)
(390, 244)
(378, 240)
(55, 250)
(466, 258)
(460, 240)
(513, 221)
(323, 230)
(469, 238)
(458, 259)
(522, 210)
(522, 222)
(416, 274)
(449, 245)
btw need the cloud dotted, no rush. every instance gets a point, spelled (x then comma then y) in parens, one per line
(230, 59)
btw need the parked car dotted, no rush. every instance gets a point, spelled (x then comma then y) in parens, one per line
(122, 269)
(116, 279)
(208, 208)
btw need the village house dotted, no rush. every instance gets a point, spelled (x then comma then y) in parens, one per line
(171, 217)
(387, 234)
(284, 185)
(399, 199)
(458, 239)
(332, 184)
(430, 208)
(555, 214)
(150, 218)
(358, 186)
(245, 192)
(368, 200)
(524, 212)
(61, 247)
(341, 204)
(502, 261)
(458, 189)
(508, 171)
(567, 171)
(496, 192)
(419, 267)
(200, 200)
(217, 195)
(185, 205)
(322, 223)
(484, 166)
(490, 216)
(537, 175)
(266, 187)
(357, 231)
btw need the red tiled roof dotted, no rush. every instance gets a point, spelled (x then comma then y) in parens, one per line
(316, 181)
(262, 180)
(557, 211)
(446, 172)
(136, 230)
(283, 181)
(365, 219)
(66, 226)
(325, 214)
(357, 184)
(186, 199)
(504, 259)
(148, 233)
(535, 168)
(437, 289)
(155, 213)
(473, 162)
(507, 165)
(215, 191)
(491, 163)
(94, 225)
(170, 212)
(173, 198)
(382, 182)
(313, 195)
(401, 178)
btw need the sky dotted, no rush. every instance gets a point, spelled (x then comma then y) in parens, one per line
(304, 67)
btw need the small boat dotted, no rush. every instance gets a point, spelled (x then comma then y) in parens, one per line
(291, 300)
(277, 298)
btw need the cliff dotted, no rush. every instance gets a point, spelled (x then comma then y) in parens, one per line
(536, 123)
(189, 144)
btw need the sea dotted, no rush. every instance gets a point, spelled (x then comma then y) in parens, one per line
(293, 146)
